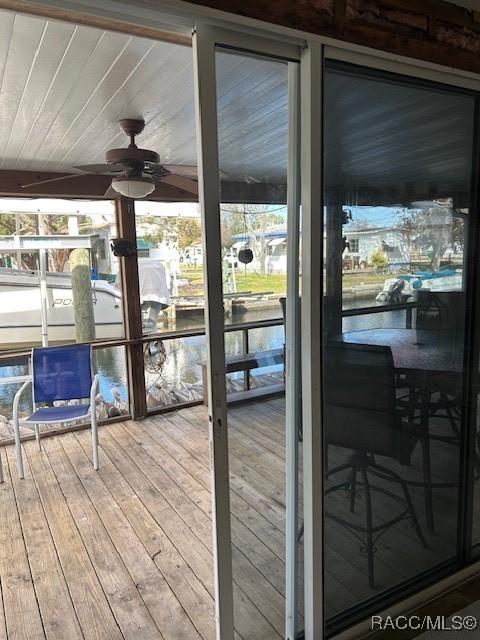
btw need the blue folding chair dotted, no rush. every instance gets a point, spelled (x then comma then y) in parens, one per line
(58, 373)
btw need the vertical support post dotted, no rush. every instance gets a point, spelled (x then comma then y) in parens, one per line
(125, 211)
(82, 295)
(42, 255)
(73, 226)
(408, 318)
(209, 198)
(42, 259)
(312, 294)
(234, 277)
(293, 384)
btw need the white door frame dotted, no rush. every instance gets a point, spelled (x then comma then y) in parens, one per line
(209, 194)
(312, 278)
(293, 378)
(205, 40)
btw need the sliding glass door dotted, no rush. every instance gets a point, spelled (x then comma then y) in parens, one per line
(343, 480)
(248, 119)
(398, 219)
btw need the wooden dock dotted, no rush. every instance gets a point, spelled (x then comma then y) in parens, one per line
(125, 552)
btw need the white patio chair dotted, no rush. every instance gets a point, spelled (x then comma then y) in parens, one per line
(58, 374)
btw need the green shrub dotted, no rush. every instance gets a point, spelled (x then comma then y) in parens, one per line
(379, 259)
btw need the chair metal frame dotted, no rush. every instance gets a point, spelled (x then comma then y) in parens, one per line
(90, 413)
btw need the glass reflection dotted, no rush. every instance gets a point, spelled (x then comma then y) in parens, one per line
(397, 190)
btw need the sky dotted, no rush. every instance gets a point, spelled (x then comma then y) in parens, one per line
(374, 216)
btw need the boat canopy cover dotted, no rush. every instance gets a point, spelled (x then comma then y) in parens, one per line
(153, 281)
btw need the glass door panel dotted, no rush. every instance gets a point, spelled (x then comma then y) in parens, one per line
(398, 166)
(253, 127)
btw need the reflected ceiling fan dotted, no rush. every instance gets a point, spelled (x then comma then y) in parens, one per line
(136, 172)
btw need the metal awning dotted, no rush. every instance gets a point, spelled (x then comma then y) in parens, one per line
(37, 243)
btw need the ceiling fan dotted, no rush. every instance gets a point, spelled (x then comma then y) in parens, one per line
(136, 172)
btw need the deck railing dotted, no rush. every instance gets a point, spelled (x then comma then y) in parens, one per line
(243, 327)
(20, 356)
(246, 327)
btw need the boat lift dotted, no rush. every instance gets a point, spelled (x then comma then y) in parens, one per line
(42, 243)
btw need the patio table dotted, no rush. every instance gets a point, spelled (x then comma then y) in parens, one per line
(415, 350)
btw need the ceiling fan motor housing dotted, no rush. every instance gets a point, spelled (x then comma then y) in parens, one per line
(131, 126)
(131, 156)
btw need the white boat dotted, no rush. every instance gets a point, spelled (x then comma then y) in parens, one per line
(21, 308)
(403, 288)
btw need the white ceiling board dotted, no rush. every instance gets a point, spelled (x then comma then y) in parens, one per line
(40, 80)
(252, 116)
(26, 39)
(36, 133)
(168, 109)
(97, 81)
(124, 75)
(64, 88)
(6, 30)
(161, 87)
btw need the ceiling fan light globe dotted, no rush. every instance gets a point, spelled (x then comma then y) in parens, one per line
(133, 187)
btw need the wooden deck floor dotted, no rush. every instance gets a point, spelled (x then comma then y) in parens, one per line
(125, 552)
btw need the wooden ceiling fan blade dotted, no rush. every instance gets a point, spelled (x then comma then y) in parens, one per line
(67, 177)
(185, 170)
(111, 194)
(99, 168)
(181, 183)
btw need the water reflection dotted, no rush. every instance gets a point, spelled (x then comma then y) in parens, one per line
(183, 355)
(181, 373)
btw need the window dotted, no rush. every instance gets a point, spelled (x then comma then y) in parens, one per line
(353, 245)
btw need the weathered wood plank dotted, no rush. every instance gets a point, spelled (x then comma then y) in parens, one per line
(255, 548)
(150, 504)
(22, 616)
(149, 580)
(89, 600)
(196, 554)
(130, 611)
(185, 435)
(241, 481)
(3, 628)
(260, 591)
(56, 608)
(253, 466)
(250, 514)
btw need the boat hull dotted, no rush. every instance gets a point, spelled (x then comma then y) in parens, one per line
(435, 282)
(21, 316)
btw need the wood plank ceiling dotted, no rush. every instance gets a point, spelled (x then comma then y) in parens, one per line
(64, 87)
